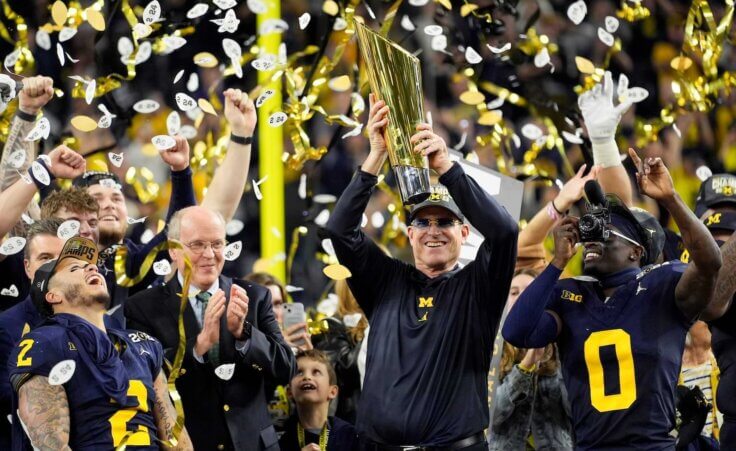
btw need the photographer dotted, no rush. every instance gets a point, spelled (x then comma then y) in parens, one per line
(620, 330)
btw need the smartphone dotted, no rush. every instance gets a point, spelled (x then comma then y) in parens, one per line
(294, 314)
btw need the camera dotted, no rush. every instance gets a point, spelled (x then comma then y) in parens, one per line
(593, 226)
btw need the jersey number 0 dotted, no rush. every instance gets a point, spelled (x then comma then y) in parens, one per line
(621, 341)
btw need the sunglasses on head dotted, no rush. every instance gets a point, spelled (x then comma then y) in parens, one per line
(623, 237)
(442, 223)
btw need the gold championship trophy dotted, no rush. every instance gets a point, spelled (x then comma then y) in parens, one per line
(395, 78)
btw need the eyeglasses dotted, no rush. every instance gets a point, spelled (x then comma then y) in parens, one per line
(198, 247)
(442, 223)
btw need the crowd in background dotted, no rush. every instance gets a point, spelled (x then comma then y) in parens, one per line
(330, 348)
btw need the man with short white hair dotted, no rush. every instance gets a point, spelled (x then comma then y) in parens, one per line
(233, 342)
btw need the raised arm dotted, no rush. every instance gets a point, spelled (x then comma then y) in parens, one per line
(725, 284)
(182, 196)
(182, 189)
(65, 163)
(601, 119)
(226, 189)
(44, 410)
(695, 289)
(164, 415)
(354, 249)
(531, 238)
(36, 93)
(530, 323)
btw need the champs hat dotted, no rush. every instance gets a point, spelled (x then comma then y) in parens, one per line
(90, 178)
(715, 190)
(721, 220)
(75, 247)
(439, 197)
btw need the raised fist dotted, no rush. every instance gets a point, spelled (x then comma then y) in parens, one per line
(36, 93)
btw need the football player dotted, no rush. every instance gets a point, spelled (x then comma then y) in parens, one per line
(716, 207)
(620, 329)
(79, 385)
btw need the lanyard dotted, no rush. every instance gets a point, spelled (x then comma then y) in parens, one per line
(323, 436)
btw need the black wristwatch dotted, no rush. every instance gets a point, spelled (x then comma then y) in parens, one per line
(240, 139)
(246, 332)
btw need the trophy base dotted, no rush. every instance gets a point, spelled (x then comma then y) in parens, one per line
(413, 184)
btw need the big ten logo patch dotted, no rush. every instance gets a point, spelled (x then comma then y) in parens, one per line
(570, 296)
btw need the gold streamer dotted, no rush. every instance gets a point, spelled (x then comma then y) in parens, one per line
(121, 256)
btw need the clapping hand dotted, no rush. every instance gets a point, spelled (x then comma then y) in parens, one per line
(237, 310)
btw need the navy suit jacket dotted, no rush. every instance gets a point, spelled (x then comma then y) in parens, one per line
(231, 413)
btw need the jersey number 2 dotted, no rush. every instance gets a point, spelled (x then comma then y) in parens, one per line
(621, 341)
(119, 420)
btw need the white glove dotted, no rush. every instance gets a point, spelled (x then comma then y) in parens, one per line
(602, 118)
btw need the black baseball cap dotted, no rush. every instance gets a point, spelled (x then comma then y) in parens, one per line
(721, 220)
(75, 247)
(716, 189)
(657, 237)
(439, 197)
(90, 178)
(645, 238)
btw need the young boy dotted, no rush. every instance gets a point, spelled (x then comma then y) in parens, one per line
(313, 387)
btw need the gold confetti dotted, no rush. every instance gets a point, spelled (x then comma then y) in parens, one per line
(490, 118)
(340, 84)
(205, 59)
(330, 8)
(681, 63)
(59, 12)
(337, 272)
(446, 4)
(84, 123)
(467, 9)
(584, 65)
(206, 106)
(472, 97)
(95, 19)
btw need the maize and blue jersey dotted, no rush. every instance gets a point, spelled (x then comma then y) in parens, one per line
(97, 421)
(621, 358)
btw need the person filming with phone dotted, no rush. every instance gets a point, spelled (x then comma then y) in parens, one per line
(233, 342)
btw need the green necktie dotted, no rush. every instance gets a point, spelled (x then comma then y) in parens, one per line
(203, 297)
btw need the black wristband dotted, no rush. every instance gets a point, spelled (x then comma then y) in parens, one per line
(25, 116)
(241, 140)
(558, 211)
(37, 182)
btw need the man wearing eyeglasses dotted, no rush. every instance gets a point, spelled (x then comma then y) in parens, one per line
(621, 328)
(432, 323)
(233, 343)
